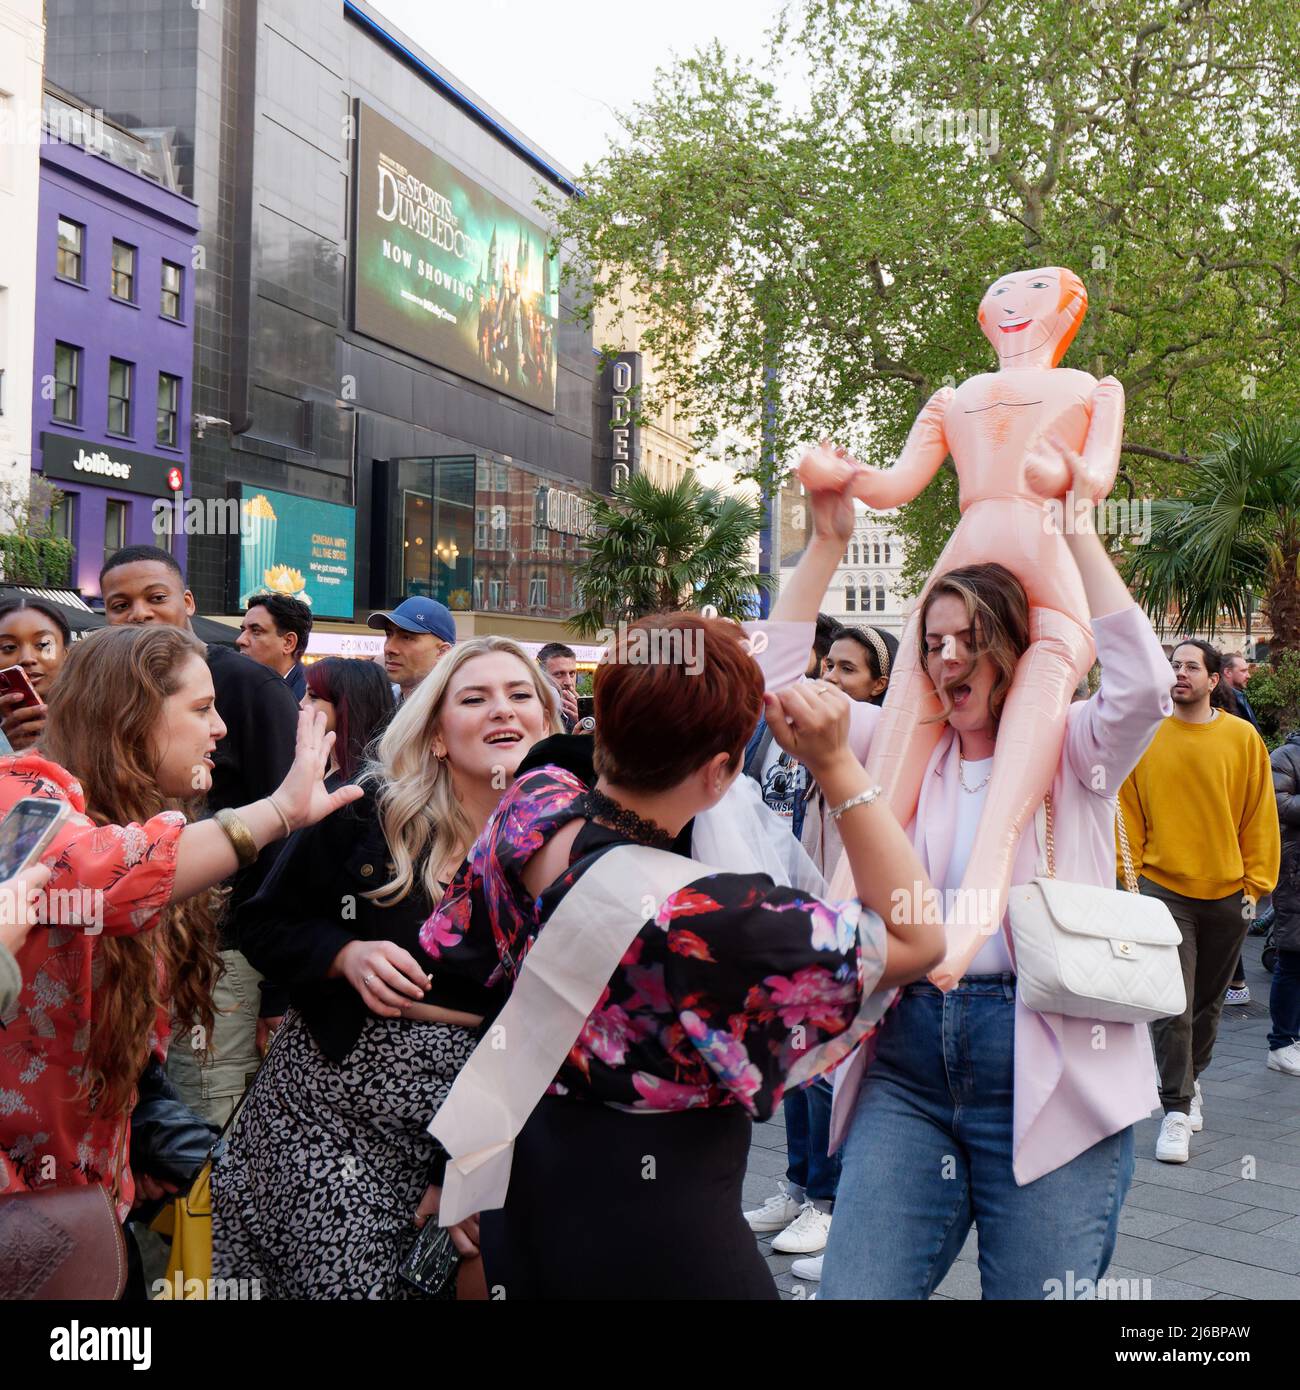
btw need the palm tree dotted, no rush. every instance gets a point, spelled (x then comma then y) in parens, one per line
(1234, 534)
(666, 549)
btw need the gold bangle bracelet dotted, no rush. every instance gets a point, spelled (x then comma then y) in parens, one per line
(284, 820)
(239, 835)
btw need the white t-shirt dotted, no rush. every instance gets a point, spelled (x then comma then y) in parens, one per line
(782, 781)
(993, 957)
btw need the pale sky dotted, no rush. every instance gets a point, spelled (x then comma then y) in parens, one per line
(557, 69)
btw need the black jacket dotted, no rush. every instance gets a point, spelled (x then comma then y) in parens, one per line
(311, 906)
(1286, 896)
(261, 722)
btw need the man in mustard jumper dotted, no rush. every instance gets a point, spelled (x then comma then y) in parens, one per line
(1202, 825)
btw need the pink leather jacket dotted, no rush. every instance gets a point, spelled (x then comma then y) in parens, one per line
(1074, 1085)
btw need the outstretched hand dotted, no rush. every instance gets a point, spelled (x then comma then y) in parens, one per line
(302, 796)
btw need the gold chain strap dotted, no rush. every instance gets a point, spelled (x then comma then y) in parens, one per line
(1130, 878)
(1126, 854)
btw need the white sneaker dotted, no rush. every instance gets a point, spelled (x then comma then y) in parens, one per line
(776, 1213)
(807, 1234)
(808, 1269)
(1286, 1059)
(1238, 996)
(1174, 1143)
(1197, 1118)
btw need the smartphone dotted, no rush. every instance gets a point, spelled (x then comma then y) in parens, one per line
(13, 679)
(25, 833)
(430, 1264)
(586, 706)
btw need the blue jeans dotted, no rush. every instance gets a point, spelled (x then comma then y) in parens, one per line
(807, 1138)
(929, 1152)
(1283, 1001)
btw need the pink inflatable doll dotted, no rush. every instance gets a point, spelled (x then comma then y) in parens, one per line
(1028, 432)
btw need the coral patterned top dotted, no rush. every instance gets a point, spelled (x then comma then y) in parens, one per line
(731, 984)
(106, 880)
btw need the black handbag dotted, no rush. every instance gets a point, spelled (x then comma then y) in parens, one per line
(168, 1140)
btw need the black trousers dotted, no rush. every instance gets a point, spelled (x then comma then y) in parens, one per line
(1213, 930)
(605, 1204)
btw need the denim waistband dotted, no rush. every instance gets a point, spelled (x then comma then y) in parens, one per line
(1001, 985)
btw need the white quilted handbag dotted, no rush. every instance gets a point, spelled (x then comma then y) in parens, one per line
(1091, 952)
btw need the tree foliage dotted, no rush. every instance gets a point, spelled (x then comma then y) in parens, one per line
(1233, 534)
(1150, 145)
(664, 549)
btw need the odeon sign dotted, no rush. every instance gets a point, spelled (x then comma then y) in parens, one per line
(565, 512)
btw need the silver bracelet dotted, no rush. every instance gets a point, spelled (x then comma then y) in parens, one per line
(862, 799)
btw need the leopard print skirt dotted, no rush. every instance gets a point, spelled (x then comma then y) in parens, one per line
(315, 1191)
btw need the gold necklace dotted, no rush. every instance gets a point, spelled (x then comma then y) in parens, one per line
(961, 776)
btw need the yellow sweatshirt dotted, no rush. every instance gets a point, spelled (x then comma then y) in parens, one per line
(1200, 811)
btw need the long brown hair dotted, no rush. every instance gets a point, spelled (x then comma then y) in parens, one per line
(103, 710)
(997, 610)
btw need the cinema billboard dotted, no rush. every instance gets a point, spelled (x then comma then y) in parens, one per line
(448, 272)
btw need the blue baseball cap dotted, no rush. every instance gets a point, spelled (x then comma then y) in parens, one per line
(419, 615)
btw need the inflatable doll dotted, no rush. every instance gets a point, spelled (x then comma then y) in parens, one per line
(1021, 435)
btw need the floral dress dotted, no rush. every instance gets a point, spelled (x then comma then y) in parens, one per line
(106, 880)
(720, 996)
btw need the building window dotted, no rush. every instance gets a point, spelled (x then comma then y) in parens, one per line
(67, 373)
(880, 597)
(71, 235)
(864, 597)
(169, 404)
(850, 597)
(541, 540)
(165, 538)
(854, 549)
(875, 553)
(537, 591)
(887, 559)
(63, 516)
(496, 592)
(123, 271)
(119, 396)
(478, 592)
(114, 526)
(171, 290)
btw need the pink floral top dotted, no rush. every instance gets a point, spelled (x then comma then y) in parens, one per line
(107, 880)
(716, 1000)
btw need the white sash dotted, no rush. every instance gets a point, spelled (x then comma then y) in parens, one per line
(563, 976)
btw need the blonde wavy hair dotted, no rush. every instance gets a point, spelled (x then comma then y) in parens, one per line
(419, 812)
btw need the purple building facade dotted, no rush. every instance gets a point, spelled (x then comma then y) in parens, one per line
(114, 345)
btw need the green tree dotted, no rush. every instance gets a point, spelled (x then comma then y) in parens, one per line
(666, 549)
(30, 552)
(1150, 145)
(1233, 534)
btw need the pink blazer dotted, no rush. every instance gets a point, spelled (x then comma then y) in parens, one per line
(1076, 1080)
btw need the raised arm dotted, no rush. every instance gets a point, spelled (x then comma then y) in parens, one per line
(1105, 739)
(786, 644)
(883, 488)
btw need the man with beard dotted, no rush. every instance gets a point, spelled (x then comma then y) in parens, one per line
(1203, 828)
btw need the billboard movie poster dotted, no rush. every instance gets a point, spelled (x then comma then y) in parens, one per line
(446, 271)
(298, 547)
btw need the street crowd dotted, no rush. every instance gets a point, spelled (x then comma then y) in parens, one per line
(391, 941)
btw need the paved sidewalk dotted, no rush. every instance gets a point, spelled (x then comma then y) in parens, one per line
(1226, 1225)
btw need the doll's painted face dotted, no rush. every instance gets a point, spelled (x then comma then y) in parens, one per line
(1030, 316)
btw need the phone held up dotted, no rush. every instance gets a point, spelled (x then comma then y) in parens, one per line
(26, 832)
(13, 681)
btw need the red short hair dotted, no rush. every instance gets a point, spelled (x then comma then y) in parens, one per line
(675, 690)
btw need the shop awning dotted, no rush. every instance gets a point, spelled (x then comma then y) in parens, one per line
(80, 616)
